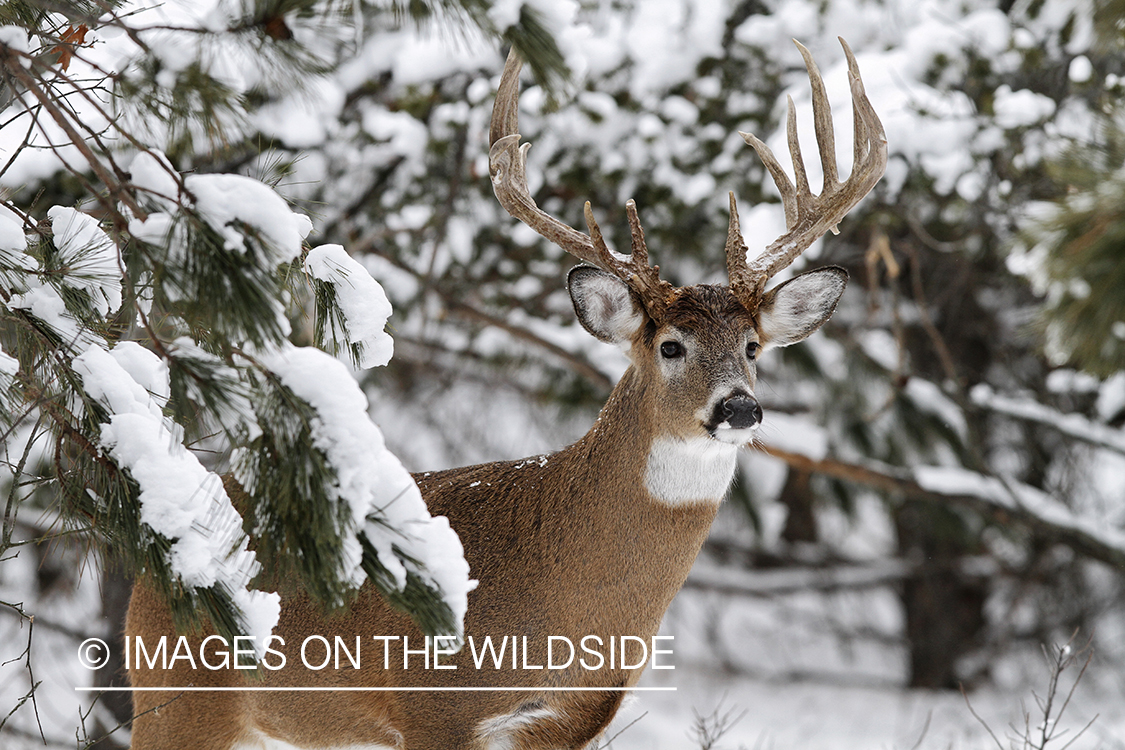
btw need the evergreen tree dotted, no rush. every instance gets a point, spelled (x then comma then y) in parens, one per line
(151, 393)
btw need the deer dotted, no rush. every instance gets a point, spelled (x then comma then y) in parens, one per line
(591, 542)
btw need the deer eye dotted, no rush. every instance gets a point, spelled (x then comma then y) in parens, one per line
(752, 350)
(671, 349)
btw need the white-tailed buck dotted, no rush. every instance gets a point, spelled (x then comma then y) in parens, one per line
(589, 544)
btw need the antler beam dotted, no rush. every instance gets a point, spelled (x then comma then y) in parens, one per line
(507, 161)
(808, 216)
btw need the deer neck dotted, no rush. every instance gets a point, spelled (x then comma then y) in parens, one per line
(666, 469)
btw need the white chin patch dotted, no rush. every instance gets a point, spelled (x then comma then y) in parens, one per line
(726, 434)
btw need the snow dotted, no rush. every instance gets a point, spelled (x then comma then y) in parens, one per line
(361, 299)
(1017, 109)
(829, 713)
(304, 120)
(1008, 493)
(236, 207)
(223, 200)
(1111, 397)
(15, 37)
(928, 397)
(12, 240)
(9, 366)
(180, 499)
(910, 52)
(45, 303)
(1081, 69)
(795, 434)
(90, 257)
(236, 414)
(1074, 425)
(152, 173)
(386, 505)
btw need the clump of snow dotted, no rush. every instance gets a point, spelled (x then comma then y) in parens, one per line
(45, 303)
(360, 298)
(15, 37)
(1081, 69)
(152, 173)
(1111, 397)
(881, 347)
(12, 240)
(1065, 380)
(89, 260)
(145, 368)
(1017, 109)
(224, 200)
(928, 397)
(386, 505)
(9, 366)
(90, 257)
(180, 499)
(228, 203)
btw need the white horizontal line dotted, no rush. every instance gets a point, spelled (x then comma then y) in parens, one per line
(194, 689)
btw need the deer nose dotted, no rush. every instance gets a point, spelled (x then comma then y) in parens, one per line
(739, 411)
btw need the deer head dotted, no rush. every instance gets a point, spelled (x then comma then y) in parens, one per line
(697, 345)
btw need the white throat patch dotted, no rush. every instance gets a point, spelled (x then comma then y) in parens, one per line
(689, 471)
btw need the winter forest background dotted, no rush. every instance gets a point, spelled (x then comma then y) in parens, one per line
(939, 498)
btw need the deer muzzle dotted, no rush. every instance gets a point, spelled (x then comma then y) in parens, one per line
(739, 411)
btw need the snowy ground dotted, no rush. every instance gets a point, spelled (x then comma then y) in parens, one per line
(775, 672)
(809, 691)
(818, 716)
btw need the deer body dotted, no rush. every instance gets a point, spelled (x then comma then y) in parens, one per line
(594, 540)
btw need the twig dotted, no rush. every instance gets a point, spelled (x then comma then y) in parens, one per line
(976, 716)
(621, 731)
(16, 70)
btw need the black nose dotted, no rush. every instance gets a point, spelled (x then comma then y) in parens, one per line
(739, 411)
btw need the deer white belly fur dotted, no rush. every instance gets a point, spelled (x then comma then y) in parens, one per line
(265, 742)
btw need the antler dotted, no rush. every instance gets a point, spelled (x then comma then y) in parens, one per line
(507, 161)
(808, 216)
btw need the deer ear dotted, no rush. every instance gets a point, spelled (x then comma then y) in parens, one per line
(797, 308)
(604, 304)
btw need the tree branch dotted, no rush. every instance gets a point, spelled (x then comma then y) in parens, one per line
(899, 481)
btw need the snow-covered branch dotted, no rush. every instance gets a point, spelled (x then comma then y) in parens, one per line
(1072, 425)
(1003, 501)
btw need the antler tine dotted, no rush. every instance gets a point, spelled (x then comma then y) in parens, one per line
(784, 186)
(807, 216)
(799, 175)
(741, 280)
(822, 119)
(507, 163)
(646, 279)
